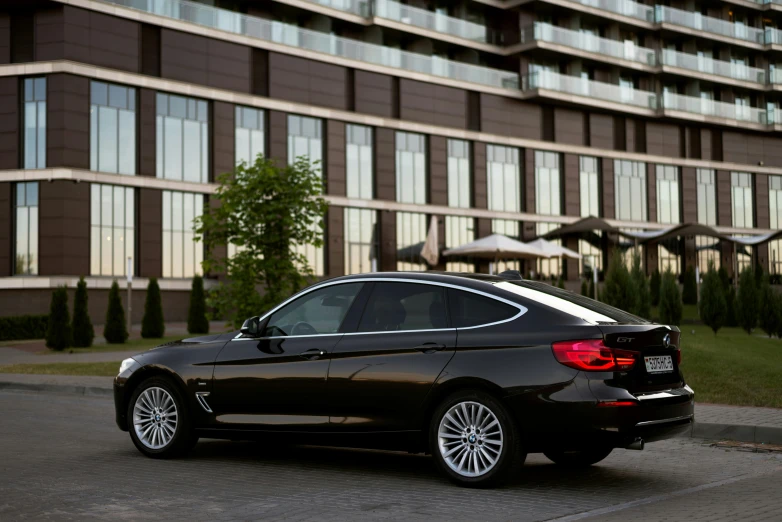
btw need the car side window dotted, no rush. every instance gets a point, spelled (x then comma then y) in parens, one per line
(318, 312)
(404, 306)
(470, 309)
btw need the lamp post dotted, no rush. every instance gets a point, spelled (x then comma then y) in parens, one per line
(130, 285)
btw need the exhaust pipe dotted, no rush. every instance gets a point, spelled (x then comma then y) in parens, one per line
(638, 445)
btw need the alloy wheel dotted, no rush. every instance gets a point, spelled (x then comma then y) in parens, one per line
(155, 418)
(470, 439)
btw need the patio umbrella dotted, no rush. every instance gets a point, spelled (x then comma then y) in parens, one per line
(553, 249)
(496, 247)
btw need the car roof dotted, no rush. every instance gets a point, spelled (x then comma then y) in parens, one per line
(466, 279)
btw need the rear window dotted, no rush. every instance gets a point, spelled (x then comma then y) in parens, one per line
(469, 309)
(569, 302)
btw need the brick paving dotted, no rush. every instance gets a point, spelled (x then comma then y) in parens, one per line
(716, 414)
(62, 458)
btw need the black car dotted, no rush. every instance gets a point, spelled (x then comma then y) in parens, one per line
(477, 370)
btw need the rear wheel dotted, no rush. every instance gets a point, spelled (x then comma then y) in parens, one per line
(474, 441)
(578, 459)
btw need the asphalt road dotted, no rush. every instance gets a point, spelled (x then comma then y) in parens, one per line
(61, 457)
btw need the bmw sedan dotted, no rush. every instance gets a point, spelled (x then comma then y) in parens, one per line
(477, 370)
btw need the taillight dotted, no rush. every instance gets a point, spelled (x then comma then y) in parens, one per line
(592, 355)
(678, 357)
(616, 404)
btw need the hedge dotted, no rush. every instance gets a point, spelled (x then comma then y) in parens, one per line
(23, 327)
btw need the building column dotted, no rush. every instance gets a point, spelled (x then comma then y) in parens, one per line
(6, 230)
(385, 189)
(650, 257)
(63, 228)
(68, 121)
(149, 249)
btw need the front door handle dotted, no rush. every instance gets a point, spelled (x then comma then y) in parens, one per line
(312, 354)
(430, 347)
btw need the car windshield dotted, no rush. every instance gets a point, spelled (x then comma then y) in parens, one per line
(569, 302)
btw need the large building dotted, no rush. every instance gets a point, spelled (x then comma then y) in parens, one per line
(515, 116)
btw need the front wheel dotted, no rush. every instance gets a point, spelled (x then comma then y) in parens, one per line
(474, 441)
(578, 459)
(160, 422)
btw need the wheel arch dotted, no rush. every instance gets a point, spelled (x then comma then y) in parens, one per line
(147, 372)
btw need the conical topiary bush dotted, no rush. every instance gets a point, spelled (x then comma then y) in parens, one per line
(83, 332)
(115, 331)
(197, 323)
(152, 325)
(58, 333)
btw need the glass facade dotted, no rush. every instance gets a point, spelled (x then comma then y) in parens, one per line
(182, 256)
(112, 128)
(775, 213)
(459, 229)
(112, 229)
(707, 248)
(359, 166)
(182, 138)
(503, 177)
(741, 200)
(411, 229)
(26, 229)
(361, 239)
(410, 168)
(589, 246)
(668, 212)
(34, 117)
(630, 190)
(548, 180)
(250, 139)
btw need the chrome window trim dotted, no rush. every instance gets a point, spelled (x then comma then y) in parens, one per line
(522, 309)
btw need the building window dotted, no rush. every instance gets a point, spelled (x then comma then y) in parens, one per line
(410, 236)
(305, 139)
(410, 168)
(360, 241)
(250, 138)
(552, 267)
(548, 196)
(182, 256)
(775, 211)
(182, 138)
(667, 194)
(707, 248)
(741, 198)
(358, 162)
(112, 229)
(630, 190)
(459, 229)
(34, 123)
(112, 128)
(503, 177)
(26, 230)
(590, 186)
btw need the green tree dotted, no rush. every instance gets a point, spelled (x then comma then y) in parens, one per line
(654, 287)
(58, 333)
(265, 211)
(690, 287)
(770, 314)
(643, 301)
(585, 288)
(747, 301)
(83, 331)
(561, 283)
(670, 300)
(713, 307)
(591, 289)
(730, 297)
(115, 331)
(152, 324)
(618, 289)
(197, 323)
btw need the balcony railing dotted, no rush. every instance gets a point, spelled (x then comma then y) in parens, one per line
(356, 7)
(701, 106)
(710, 66)
(589, 88)
(407, 14)
(708, 24)
(294, 36)
(588, 42)
(623, 7)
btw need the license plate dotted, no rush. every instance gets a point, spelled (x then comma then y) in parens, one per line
(659, 364)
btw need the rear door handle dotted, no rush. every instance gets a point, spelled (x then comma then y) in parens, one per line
(430, 347)
(314, 353)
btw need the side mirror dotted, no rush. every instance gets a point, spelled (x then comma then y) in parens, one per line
(252, 327)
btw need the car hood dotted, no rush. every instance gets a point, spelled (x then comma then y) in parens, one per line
(211, 338)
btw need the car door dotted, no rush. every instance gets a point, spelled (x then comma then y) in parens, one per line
(278, 381)
(380, 374)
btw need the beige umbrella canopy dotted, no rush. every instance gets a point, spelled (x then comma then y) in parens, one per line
(495, 247)
(553, 249)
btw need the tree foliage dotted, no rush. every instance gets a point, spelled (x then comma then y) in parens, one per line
(769, 315)
(643, 301)
(591, 289)
(115, 330)
(197, 322)
(690, 287)
(747, 301)
(83, 331)
(153, 325)
(730, 297)
(713, 307)
(585, 288)
(654, 287)
(58, 333)
(670, 300)
(618, 289)
(265, 211)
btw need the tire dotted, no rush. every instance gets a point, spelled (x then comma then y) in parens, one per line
(163, 431)
(470, 455)
(577, 459)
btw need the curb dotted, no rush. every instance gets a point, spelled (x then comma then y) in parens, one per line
(92, 391)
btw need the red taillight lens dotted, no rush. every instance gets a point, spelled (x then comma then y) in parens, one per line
(616, 404)
(678, 358)
(592, 355)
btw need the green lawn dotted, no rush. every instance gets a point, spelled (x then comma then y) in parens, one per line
(732, 367)
(135, 345)
(102, 369)
(689, 314)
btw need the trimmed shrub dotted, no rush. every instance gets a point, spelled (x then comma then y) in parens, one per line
(770, 314)
(197, 323)
(618, 290)
(152, 324)
(643, 301)
(585, 288)
(690, 288)
(670, 300)
(747, 301)
(713, 307)
(730, 297)
(23, 327)
(83, 332)
(58, 333)
(115, 330)
(654, 288)
(591, 289)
